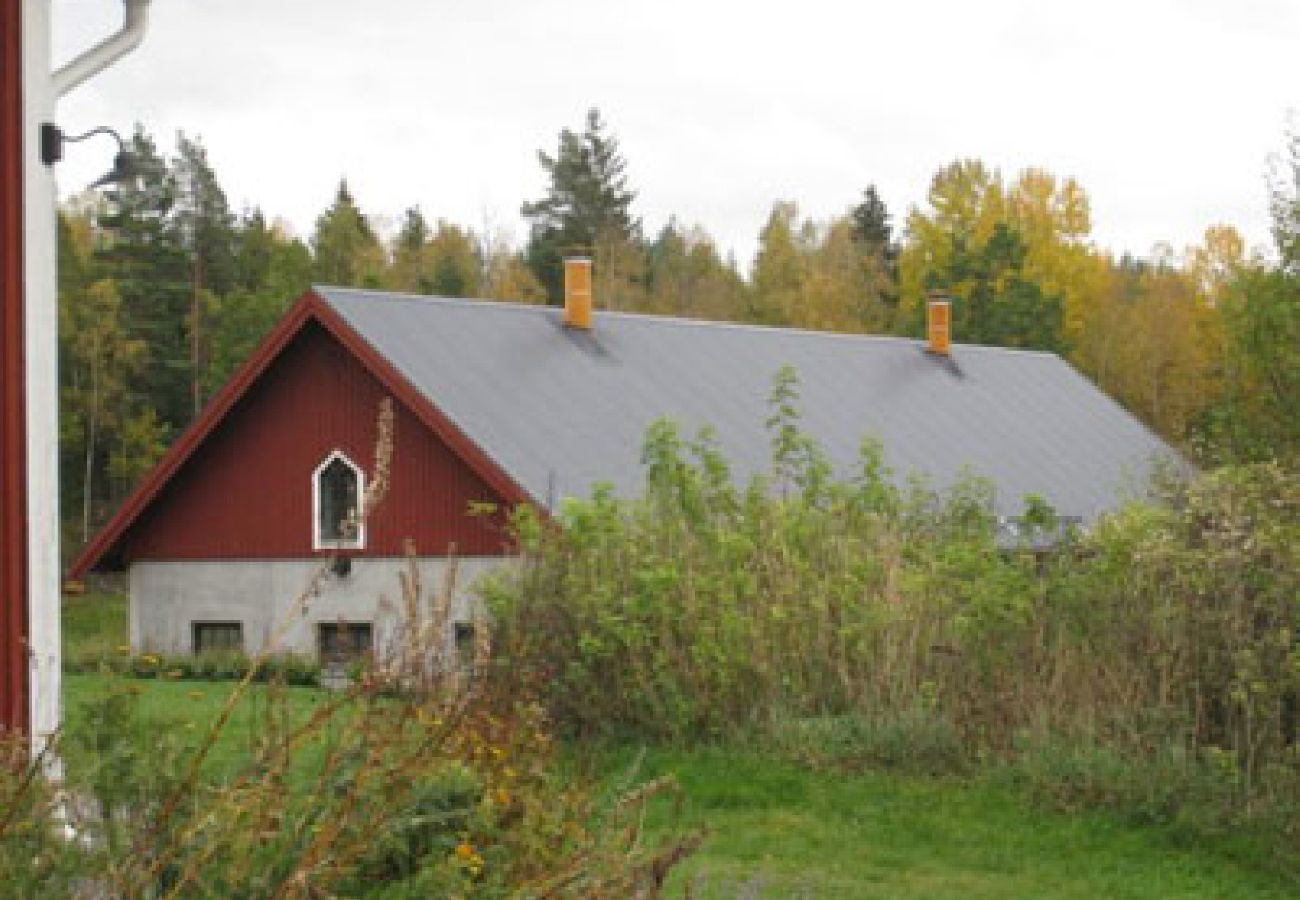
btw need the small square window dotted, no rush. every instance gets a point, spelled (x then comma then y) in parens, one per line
(343, 642)
(218, 637)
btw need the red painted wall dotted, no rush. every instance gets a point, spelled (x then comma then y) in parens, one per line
(13, 427)
(246, 491)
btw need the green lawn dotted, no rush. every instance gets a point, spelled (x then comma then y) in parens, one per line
(183, 711)
(778, 830)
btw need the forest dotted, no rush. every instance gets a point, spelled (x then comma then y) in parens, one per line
(164, 289)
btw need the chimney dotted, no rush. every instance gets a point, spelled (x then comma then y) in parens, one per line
(577, 292)
(938, 326)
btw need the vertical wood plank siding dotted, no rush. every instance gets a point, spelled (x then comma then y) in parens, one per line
(246, 492)
(13, 470)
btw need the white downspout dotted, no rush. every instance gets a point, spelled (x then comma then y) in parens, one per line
(106, 52)
(41, 89)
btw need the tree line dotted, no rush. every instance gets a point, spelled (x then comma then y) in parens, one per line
(164, 290)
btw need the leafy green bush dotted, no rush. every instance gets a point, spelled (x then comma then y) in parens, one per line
(886, 621)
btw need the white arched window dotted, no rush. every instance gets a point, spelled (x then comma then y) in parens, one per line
(337, 488)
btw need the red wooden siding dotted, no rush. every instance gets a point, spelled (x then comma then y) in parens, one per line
(245, 493)
(13, 418)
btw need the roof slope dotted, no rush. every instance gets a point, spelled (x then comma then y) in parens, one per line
(560, 411)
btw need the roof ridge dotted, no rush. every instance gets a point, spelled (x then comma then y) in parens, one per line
(662, 319)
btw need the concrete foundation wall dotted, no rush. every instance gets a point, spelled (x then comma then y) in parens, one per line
(263, 595)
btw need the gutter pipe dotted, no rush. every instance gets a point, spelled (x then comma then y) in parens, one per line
(108, 51)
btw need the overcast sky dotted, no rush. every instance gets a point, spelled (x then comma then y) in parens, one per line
(1165, 110)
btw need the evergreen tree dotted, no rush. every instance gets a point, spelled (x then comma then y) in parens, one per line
(254, 246)
(347, 252)
(444, 263)
(870, 220)
(994, 301)
(272, 271)
(587, 204)
(873, 233)
(207, 232)
(407, 272)
(143, 253)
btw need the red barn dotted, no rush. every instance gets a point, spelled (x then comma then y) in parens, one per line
(502, 404)
(224, 535)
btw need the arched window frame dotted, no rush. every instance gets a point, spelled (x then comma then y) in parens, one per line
(318, 540)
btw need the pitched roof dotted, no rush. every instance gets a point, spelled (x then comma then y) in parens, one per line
(561, 410)
(105, 549)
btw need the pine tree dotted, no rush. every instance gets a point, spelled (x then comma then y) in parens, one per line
(873, 233)
(587, 204)
(995, 301)
(271, 271)
(347, 252)
(207, 233)
(143, 253)
(407, 272)
(871, 220)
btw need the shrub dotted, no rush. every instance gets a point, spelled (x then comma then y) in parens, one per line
(856, 622)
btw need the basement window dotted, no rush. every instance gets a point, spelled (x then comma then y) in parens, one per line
(218, 637)
(343, 642)
(337, 486)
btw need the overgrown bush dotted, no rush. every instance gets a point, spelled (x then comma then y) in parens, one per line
(873, 616)
(413, 781)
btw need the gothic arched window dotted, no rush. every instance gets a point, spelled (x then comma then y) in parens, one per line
(337, 486)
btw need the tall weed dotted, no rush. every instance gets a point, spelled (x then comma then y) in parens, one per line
(705, 609)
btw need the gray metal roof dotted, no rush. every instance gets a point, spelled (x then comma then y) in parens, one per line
(560, 410)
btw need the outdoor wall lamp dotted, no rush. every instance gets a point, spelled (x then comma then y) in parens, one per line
(124, 164)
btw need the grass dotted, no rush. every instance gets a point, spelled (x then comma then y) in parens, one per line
(184, 710)
(94, 625)
(779, 830)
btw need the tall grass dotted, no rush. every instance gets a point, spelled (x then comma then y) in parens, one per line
(1166, 635)
(416, 780)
